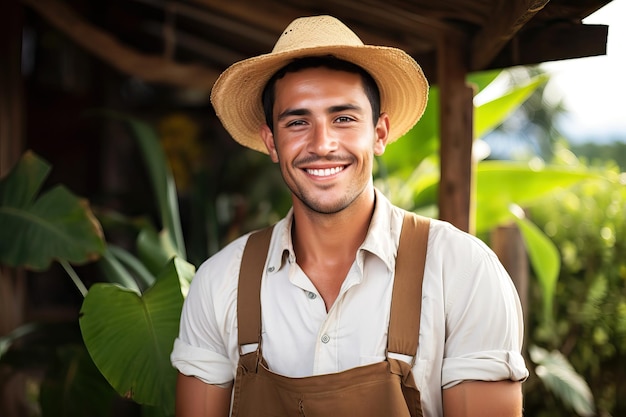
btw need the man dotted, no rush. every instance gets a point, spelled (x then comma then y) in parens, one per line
(322, 105)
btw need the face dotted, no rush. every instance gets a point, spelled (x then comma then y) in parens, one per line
(324, 139)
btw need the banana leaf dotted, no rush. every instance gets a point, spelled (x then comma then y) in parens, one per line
(480, 80)
(489, 115)
(37, 230)
(559, 376)
(545, 260)
(130, 336)
(500, 184)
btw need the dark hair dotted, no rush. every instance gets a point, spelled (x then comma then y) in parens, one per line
(327, 61)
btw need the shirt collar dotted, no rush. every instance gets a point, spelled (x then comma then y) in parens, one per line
(383, 234)
(281, 248)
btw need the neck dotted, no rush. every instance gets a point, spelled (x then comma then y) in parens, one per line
(332, 238)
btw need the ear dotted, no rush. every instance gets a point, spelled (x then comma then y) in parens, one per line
(382, 134)
(268, 139)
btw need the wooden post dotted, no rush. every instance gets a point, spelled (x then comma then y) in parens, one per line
(507, 243)
(11, 95)
(12, 285)
(13, 401)
(456, 130)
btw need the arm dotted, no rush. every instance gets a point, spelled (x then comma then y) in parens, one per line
(484, 399)
(484, 336)
(195, 398)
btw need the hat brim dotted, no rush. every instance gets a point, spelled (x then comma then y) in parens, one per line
(236, 95)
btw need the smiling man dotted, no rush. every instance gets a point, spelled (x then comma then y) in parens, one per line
(349, 306)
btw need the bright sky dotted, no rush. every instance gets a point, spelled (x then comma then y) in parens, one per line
(594, 88)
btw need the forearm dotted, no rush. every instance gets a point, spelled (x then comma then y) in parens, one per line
(195, 398)
(484, 399)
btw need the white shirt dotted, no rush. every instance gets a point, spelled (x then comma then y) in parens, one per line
(471, 321)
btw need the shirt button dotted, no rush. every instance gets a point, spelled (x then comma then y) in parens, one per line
(270, 269)
(311, 295)
(325, 338)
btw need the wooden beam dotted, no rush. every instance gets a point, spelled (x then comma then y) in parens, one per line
(506, 19)
(398, 19)
(456, 128)
(205, 17)
(150, 68)
(272, 19)
(221, 56)
(558, 41)
(576, 10)
(402, 28)
(395, 27)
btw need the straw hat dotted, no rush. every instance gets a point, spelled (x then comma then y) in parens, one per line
(236, 95)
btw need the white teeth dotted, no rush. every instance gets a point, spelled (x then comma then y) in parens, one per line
(324, 172)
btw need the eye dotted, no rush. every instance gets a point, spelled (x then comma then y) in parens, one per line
(296, 122)
(344, 119)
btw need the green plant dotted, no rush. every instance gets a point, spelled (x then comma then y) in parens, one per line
(39, 228)
(588, 225)
(128, 324)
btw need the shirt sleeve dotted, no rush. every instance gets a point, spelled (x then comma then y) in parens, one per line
(206, 365)
(205, 347)
(484, 321)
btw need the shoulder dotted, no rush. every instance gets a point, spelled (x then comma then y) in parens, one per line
(214, 286)
(462, 265)
(446, 239)
(213, 291)
(224, 262)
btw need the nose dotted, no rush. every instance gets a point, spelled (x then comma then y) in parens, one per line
(322, 140)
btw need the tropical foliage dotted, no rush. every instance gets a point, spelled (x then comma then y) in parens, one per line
(37, 230)
(588, 225)
(128, 324)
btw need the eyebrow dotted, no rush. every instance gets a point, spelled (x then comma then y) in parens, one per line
(293, 112)
(331, 110)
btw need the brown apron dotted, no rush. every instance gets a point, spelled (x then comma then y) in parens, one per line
(382, 389)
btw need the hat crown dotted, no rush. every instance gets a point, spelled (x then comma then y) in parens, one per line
(313, 32)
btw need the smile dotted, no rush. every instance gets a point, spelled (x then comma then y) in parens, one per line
(324, 172)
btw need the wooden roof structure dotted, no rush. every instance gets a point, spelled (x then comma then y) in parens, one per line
(189, 42)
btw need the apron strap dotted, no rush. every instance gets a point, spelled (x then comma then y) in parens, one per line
(406, 299)
(249, 289)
